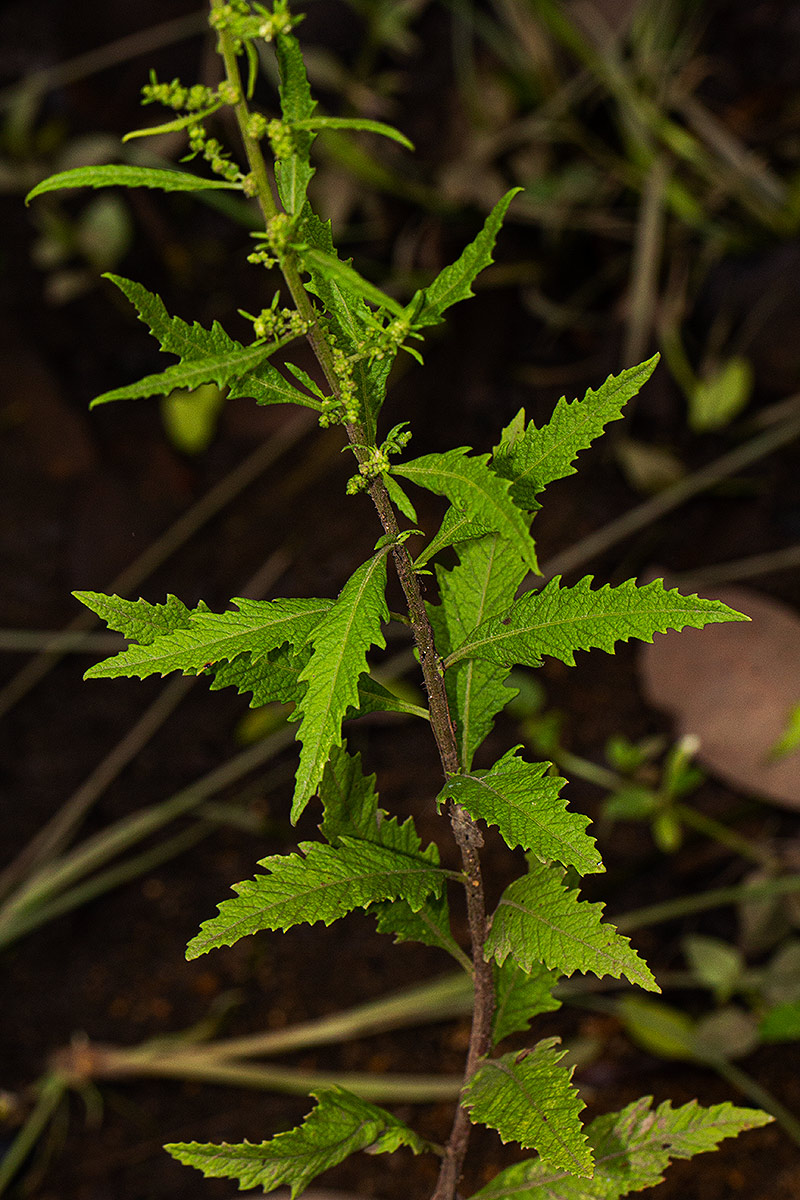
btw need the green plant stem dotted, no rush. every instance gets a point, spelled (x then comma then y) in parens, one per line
(754, 1091)
(726, 837)
(465, 830)
(670, 910)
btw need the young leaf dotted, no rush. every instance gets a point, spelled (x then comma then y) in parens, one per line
(126, 176)
(330, 267)
(323, 884)
(454, 283)
(520, 996)
(631, 1148)
(530, 458)
(539, 921)
(469, 483)
(293, 174)
(560, 620)
(458, 525)
(360, 124)
(529, 1098)
(349, 318)
(526, 806)
(340, 643)
(488, 573)
(258, 627)
(337, 1127)
(221, 369)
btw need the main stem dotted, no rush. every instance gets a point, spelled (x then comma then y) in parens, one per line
(465, 830)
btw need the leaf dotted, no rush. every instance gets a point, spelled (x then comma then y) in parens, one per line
(539, 921)
(331, 268)
(361, 124)
(488, 573)
(337, 1127)
(530, 458)
(258, 627)
(340, 642)
(349, 319)
(323, 884)
(138, 620)
(458, 525)
(526, 806)
(399, 498)
(469, 483)
(264, 383)
(520, 996)
(560, 620)
(350, 806)
(221, 370)
(454, 283)
(632, 1149)
(293, 174)
(125, 176)
(529, 1098)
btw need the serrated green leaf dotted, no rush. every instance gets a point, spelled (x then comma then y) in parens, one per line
(530, 458)
(323, 883)
(340, 643)
(125, 176)
(264, 383)
(293, 174)
(360, 124)
(258, 627)
(539, 921)
(526, 806)
(174, 126)
(520, 996)
(560, 620)
(328, 266)
(221, 370)
(454, 283)
(337, 1127)
(632, 1149)
(138, 620)
(349, 319)
(350, 806)
(469, 483)
(529, 1098)
(458, 525)
(488, 572)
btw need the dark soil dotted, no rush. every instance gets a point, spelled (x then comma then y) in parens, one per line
(84, 494)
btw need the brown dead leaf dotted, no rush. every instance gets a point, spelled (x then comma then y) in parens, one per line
(734, 687)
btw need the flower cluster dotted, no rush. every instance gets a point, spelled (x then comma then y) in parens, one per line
(377, 461)
(245, 21)
(197, 98)
(278, 324)
(212, 150)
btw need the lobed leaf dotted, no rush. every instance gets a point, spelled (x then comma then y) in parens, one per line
(350, 805)
(264, 383)
(323, 883)
(337, 1127)
(469, 483)
(454, 283)
(539, 921)
(139, 620)
(526, 806)
(488, 572)
(258, 627)
(530, 458)
(560, 620)
(631, 1148)
(340, 643)
(520, 996)
(122, 175)
(529, 1098)
(221, 369)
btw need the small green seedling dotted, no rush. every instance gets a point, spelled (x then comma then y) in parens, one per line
(313, 653)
